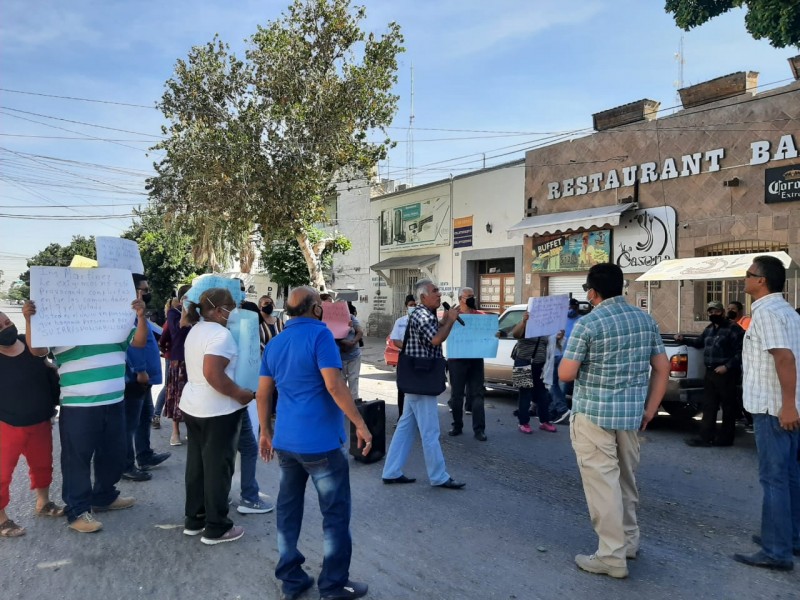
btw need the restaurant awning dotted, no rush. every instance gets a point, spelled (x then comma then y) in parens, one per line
(424, 261)
(732, 266)
(601, 216)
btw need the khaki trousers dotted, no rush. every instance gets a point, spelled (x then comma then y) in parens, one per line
(607, 459)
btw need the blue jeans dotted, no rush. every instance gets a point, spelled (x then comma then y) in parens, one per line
(538, 394)
(91, 432)
(330, 474)
(138, 416)
(558, 397)
(248, 449)
(419, 412)
(779, 473)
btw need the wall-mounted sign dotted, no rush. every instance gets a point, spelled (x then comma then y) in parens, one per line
(573, 252)
(644, 238)
(782, 184)
(462, 232)
(420, 224)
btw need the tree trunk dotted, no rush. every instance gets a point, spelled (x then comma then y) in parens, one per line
(312, 253)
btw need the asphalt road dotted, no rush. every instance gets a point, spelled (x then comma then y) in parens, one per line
(511, 534)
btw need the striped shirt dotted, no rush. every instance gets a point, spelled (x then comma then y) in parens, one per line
(614, 344)
(774, 324)
(92, 375)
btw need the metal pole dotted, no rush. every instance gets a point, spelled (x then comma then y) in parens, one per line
(679, 305)
(649, 300)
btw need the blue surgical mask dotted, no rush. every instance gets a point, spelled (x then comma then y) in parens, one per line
(410, 310)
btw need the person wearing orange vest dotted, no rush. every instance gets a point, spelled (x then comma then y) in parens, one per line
(736, 314)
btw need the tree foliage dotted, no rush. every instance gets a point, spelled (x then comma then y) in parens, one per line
(56, 255)
(776, 20)
(285, 262)
(254, 146)
(166, 255)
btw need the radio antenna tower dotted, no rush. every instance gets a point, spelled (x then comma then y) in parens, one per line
(410, 137)
(680, 60)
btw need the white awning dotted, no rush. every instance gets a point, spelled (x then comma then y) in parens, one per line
(702, 268)
(601, 216)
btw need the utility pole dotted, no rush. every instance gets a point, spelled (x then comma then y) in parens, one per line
(410, 137)
(680, 60)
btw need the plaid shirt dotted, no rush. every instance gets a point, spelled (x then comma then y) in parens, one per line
(614, 344)
(722, 346)
(775, 324)
(422, 326)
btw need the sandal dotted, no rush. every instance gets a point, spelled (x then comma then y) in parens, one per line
(51, 509)
(11, 529)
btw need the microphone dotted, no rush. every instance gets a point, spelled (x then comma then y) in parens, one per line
(446, 306)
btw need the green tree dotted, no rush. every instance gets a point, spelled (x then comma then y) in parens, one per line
(166, 255)
(255, 147)
(286, 264)
(776, 20)
(19, 292)
(56, 255)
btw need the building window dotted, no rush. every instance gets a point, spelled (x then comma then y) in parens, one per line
(728, 290)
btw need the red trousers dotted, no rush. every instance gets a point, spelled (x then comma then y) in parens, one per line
(35, 443)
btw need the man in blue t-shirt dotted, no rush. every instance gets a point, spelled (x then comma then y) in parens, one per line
(304, 364)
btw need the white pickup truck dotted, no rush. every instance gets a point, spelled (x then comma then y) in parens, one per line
(684, 395)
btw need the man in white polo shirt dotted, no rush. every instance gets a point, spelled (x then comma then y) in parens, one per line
(771, 362)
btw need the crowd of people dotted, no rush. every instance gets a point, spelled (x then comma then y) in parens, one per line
(614, 357)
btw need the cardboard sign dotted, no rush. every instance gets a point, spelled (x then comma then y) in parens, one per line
(476, 339)
(336, 315)
(118, 253)
(81, 262)
(78, 307)
(546, 315)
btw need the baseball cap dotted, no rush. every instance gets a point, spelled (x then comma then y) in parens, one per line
(716, 304)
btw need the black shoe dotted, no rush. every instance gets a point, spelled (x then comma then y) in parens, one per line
(296, 594)
(454, 431)
(760, 559)
(719, 444)
(699, 443)
(452, 484)
(480, 436)
(137, 475)
(401, 479)
(757, 540)
(155, 460)
(350, 590)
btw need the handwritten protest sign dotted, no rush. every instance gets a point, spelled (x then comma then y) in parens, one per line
(118, 253)
(547, 315)
(243, 325)
(476, 339)
(81, 262)
(76, 307)
(336, 315)
(212, 280)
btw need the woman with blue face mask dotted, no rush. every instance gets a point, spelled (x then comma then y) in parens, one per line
(397, 335)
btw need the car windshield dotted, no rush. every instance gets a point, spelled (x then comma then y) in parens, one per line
(509, 320)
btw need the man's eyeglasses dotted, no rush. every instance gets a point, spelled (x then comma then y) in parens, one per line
(749, 274)
(586, 287)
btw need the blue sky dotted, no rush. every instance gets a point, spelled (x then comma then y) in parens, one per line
(523, 68)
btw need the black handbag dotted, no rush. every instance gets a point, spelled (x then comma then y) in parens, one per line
(421, 376)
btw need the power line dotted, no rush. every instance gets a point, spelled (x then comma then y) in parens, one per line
(79, 99)
(26, 112)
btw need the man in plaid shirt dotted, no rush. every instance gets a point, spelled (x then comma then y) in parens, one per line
(425, 338)
(610, 355)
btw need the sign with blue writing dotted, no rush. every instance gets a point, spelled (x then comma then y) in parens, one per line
(477, 338)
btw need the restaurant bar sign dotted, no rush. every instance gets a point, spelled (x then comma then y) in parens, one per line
(462, 232)
(573, 252)
(782, 184)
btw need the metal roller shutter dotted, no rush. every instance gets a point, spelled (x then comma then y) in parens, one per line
(567, 284)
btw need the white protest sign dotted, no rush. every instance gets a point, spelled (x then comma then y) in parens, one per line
(546, 315)
(80, 307)
(118, 253)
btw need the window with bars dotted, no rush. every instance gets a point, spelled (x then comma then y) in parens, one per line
(729, 290)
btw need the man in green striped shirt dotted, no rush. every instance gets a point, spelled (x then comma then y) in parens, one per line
(92, 425)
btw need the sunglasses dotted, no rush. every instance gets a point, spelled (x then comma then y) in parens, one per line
(586, 287)
(749, 274)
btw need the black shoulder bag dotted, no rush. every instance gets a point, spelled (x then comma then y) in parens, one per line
(422, 376)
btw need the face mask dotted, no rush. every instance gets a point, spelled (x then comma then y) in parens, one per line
(146, 298)
(470, 302)
(267, 309)
(716, 319)
(410, 310)
(8, 336)
(731, 315)
(572, 313)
